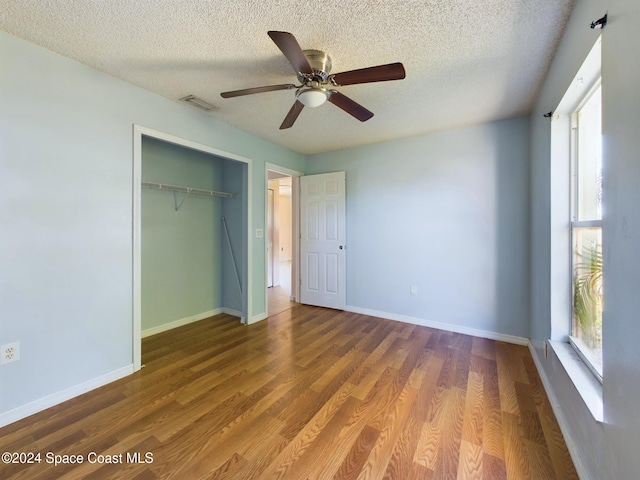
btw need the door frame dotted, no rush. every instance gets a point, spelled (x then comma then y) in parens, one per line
(269, 234)
(138, 132)
(295, 228)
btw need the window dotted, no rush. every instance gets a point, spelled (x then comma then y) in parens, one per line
(576, 210)
(586, 229)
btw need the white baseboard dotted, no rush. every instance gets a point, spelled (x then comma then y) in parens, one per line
(441, 326)
(50, 400)
(183, 321)
(582, 471)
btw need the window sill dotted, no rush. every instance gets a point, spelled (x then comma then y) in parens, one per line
(589, 388)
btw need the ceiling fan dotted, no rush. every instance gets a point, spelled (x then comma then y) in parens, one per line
(313, 69)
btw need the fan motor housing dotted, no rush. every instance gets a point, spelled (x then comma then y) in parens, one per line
(320, 63)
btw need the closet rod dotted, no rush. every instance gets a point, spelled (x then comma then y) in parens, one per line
(187, 190)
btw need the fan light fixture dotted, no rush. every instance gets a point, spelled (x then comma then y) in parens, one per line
(312, 96)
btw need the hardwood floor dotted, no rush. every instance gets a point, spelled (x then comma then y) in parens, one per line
(279, 296)
(278, 300)
(309, 393)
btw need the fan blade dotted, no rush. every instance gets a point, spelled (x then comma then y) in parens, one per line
(291, 117)
(381, 73)
(251, 91)
(349, 106)
(289, 46)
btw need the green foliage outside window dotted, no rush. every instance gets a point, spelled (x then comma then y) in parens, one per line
(587, 295)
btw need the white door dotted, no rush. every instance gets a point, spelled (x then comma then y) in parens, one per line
(322, 240)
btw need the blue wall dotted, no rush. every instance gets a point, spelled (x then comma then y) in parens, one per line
(66, 143)
(187, 265)
(447, 212)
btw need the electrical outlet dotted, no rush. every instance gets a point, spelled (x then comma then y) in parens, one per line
(414, 289)
(9, 353)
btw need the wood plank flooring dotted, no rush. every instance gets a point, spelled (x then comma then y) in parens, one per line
(309, 393)
(278, 300)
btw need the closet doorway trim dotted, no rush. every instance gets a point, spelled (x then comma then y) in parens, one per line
(138, 132)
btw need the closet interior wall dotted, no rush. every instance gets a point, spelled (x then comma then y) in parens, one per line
(187, 270)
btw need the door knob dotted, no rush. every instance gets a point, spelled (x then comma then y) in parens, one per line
(341, 247)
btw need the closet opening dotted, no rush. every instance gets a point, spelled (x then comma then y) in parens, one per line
(191, 234)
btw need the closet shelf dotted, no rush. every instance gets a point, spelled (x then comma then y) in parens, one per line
(187, 190)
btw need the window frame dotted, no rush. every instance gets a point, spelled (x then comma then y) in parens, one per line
(584, 352)
(586, 384)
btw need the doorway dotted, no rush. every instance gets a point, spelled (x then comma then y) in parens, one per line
(236, 177)
(281, 245)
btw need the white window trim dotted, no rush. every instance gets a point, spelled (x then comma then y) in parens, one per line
(586, 384)
(584, 354)
(586, 224)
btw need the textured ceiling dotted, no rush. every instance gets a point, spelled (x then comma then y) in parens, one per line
(467, 61)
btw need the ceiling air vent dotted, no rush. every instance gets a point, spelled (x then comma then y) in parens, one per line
(198, 103)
